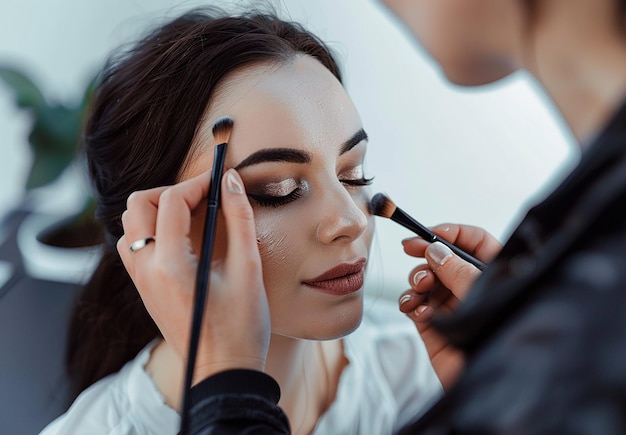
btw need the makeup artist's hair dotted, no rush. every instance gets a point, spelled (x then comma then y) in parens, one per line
(144, 116)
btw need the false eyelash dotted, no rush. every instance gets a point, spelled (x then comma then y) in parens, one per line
(275, 201)
(358, 182)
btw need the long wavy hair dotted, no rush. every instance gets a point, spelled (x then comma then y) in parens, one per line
(144, 116)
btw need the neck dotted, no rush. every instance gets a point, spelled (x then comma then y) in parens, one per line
(579, 56)
(288, 358)
(308, 373)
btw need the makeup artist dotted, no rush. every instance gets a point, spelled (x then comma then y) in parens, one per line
(538, 342)
(542, 330)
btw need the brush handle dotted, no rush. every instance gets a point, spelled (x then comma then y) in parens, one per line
(203, 277)
(401, 217)
(461, 253)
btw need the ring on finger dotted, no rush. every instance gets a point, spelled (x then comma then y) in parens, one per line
(140, 244)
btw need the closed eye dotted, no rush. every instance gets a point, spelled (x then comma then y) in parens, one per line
(276, 201)
(358, 182)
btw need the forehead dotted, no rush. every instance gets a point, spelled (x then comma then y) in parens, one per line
(299, 104)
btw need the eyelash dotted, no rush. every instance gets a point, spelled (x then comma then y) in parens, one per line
(358, 182)
(278, 201)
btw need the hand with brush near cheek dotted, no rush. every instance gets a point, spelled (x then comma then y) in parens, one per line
(236, 325)
(439, 286)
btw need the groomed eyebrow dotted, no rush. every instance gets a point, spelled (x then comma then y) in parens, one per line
(356, 139)
(291, 155)
(275, 155)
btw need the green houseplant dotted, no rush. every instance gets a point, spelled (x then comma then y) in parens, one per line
(53, 140)
(54, 248)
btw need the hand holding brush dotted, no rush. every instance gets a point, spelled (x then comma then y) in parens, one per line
(438, 287)
(221, 132)
(233, 334)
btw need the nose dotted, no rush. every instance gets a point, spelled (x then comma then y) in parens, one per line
(342, 221)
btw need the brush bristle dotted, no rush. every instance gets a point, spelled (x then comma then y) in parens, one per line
(382, 206)
(222, 129)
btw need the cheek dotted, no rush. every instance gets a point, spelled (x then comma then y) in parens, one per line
(362, 199)
(368, 235)
(276, 244)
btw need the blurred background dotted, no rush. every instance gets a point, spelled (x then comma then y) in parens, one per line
(443, 153)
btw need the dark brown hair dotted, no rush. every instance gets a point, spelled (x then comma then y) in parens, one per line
(145, 114)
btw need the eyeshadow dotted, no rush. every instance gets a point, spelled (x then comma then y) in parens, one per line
(353, 173)
(281, 188)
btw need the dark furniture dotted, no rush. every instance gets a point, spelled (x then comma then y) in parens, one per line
(33, 322)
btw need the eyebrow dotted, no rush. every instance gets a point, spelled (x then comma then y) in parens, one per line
(291, 155)
(356, 139)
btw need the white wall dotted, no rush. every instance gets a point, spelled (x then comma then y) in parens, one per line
(442, 153)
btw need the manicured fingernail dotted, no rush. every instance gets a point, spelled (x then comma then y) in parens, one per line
(232, 183)
(420, 310)
(418, 277)
(439, 253)
(404, 299)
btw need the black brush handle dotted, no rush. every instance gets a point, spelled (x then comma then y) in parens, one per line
(401, 217)
(203, 277)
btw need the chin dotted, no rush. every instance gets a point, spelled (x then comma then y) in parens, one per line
(340, 322)
(476, 72)
(327, 324)
(347, 326)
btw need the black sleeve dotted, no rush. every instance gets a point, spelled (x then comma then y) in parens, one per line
(556, 365)
(237, 402)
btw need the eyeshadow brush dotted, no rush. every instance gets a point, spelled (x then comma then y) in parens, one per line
(221, 133)
(381, 205)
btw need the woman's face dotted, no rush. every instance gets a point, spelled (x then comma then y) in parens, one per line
(299, 146)
(474, 41)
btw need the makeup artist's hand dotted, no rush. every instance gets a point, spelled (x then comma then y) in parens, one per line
(236, 325)
(439, 285)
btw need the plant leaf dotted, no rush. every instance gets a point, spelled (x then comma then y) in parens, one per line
(46, 168)
(56, 128)
(27, 94)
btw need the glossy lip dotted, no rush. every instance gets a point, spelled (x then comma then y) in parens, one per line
(343, 279)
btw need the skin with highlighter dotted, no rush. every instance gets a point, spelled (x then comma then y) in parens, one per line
(292, 157)
(292, 239)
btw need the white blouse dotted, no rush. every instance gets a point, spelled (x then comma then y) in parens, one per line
(388, 382)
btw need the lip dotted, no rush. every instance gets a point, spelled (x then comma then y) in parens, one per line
(341, 280)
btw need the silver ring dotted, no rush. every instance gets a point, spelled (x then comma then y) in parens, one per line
(140, 244)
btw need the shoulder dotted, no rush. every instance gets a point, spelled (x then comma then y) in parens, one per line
(126, 401)
(97, 409)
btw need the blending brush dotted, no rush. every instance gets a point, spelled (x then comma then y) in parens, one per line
(382, 206)
(221, 133)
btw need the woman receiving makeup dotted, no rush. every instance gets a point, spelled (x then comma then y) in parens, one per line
(292, 244)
